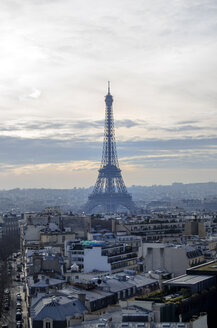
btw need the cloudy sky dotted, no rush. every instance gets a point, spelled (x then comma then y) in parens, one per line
(56, 57)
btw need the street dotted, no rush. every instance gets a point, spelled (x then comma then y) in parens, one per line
(9, 316)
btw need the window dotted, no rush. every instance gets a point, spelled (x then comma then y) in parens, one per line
(48, 325)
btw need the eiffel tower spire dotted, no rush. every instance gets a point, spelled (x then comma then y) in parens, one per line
(108, 87)
(109, 190)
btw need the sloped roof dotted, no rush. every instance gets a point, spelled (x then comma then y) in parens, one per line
(56, 308)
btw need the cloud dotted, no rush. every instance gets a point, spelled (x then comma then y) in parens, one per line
(35, 94)
(148, 153)
(185, 127)
(35, 151)
(188, 122)
(56, 58)
(88, 129)
(126, 123)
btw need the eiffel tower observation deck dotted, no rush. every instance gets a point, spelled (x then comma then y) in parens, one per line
(109, 191)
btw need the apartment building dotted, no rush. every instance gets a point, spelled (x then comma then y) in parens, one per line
(170, 258)
(102, 256)
(9, 225)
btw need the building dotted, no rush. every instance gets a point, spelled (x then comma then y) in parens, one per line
(102, 256)
(37, 222)
(151, 229)
(9, 225)
(195, 227)
(51, 227)
(94, 299)
(164, 257)
(80, 225)
(53, 312)
(195, 283)
(57, 238)
(45, 261)
(103, 289)
(43, 284)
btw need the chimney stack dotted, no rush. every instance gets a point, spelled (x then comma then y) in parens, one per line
(82, 298)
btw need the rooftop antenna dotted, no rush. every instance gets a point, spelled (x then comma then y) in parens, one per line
(109, 87)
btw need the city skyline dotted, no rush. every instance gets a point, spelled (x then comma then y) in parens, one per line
(56, 58)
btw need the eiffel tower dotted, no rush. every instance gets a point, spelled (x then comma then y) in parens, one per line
(109, 190)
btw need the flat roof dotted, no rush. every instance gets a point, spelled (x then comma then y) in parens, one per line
(187, 280)
(211, 266)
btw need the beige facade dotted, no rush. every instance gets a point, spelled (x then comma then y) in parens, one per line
(195, 228)
(56, 238)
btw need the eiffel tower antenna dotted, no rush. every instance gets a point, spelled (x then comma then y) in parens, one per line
(109, 190)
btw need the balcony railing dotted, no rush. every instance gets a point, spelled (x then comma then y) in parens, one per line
(122, 258)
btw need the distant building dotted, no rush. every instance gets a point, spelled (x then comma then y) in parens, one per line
(80, 225)
(195, 227)
(57, 238)
(156, 229)
(51, 228)
(35, 223)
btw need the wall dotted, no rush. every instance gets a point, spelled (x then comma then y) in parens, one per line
(200, 322)
(41, 219)
(176, 260)
(170, 259)
(32, 232)
(80, 225)
(58, 238)
(93, 260)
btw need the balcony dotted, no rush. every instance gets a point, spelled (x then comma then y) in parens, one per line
(121, 258)
(127, 250)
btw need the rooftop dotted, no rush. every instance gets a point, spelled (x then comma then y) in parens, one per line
(187, 280)
(211, 266)
(57, 308)
(91, 295)
(44, 281)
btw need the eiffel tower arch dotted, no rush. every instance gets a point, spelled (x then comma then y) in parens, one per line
(109, 191)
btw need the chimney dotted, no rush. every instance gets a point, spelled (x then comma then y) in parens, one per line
(35, 277)
(82, 298)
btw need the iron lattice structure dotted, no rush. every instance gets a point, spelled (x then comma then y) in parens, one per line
(109, 190)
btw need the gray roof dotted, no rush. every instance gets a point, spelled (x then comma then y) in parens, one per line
(44, 281)
(56, 308)
(115, 285)
(142, 281)
(138, 281)
(91, 295)
(187, 280)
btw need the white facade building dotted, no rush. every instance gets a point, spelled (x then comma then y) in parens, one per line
(170, 258)
(102, 257)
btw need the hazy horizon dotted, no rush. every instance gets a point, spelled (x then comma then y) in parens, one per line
(56, 59)
(131, 186)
